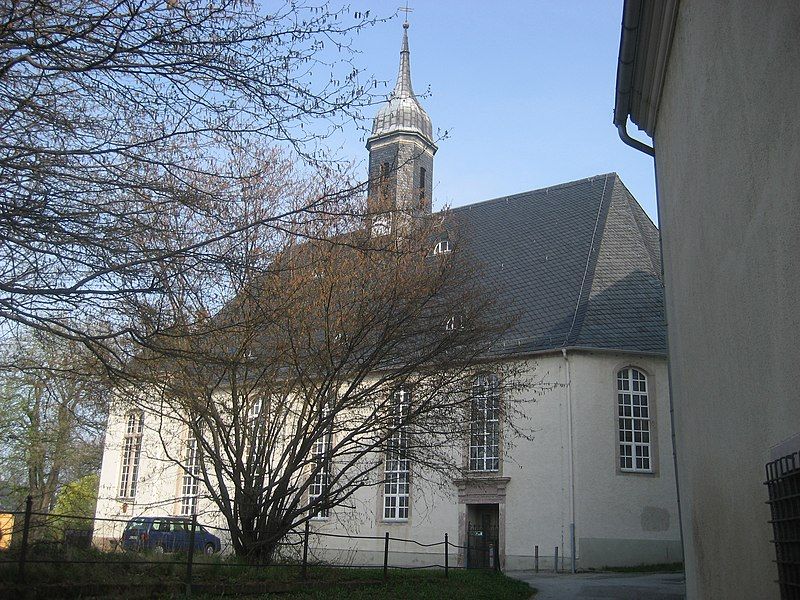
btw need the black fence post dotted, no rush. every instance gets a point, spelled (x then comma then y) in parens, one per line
(555, 562)
(386, 557)
(304, 569)
(536, 558)
(496, 551)
(26, 526)
(190, 557)
(446, 557)
(466, 557)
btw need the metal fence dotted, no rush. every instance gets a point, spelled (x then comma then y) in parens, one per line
(57, 539)
(783, 484)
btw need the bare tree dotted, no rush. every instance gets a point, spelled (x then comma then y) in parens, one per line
(349, 350)
(123, 118)
(54, 404)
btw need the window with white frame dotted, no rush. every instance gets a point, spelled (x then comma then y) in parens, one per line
(454, 322)
(381, 225)
(190, 486)
(633, 412)
(396, 474)
(442, 247)
(131, 454)
(258, 425)
(484, 442)
(320, 452)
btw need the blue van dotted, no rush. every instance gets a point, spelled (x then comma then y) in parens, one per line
(167, 534)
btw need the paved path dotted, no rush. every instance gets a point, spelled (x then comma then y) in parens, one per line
(604, 586)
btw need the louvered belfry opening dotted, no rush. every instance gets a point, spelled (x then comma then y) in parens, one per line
(783, 483)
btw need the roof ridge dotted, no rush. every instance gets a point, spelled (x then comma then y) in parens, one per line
(567, 184)
(637, 212)
(593, 255)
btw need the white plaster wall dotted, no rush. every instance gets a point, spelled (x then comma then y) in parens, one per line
(634, 516)
(728, 173)
(159, 482)
(537, 507)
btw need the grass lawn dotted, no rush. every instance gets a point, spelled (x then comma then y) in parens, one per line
(125, 576)
(419, 585)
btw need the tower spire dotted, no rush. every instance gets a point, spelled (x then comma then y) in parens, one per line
(402, 88)
(402, 111)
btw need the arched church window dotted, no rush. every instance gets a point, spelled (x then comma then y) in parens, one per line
(131, 454)
(381, 225)
(633, 414)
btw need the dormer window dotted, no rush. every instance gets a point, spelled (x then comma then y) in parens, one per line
(454, 322)
(442, 247)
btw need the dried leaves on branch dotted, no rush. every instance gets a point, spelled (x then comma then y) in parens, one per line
(122, 120)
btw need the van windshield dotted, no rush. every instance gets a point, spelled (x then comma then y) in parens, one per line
(136, 524)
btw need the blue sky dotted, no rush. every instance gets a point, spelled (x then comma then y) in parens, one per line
(525, 90)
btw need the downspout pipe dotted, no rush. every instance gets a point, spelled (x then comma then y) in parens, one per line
(634, 143)
(629, 38)
(568, 384)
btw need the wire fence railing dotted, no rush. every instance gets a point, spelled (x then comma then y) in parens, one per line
(186, 544)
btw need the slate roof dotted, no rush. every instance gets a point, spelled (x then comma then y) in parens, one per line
(574, 265)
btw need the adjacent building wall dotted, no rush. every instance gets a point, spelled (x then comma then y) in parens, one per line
(728, 171)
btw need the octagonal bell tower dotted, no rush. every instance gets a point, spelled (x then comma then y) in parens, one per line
(401, 149)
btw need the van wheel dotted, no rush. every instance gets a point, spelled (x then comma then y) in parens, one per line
(159, 549)
(209, 549)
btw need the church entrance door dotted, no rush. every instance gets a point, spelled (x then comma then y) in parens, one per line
(483, 536)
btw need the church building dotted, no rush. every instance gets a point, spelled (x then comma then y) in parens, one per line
(578, 267)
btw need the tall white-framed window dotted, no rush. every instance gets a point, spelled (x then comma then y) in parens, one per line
(484, 440)
(257, 420)
(633, 413)
(190, 485)
(131, 454)
(396, 487)
(321, 464)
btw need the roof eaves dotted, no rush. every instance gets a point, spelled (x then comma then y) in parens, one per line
(645, 42)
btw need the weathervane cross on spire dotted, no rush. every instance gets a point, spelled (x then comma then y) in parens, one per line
(406, 10)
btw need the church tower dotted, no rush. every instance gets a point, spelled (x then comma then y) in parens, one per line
(401, 149)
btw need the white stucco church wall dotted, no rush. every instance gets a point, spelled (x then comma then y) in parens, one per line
(619, 518)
